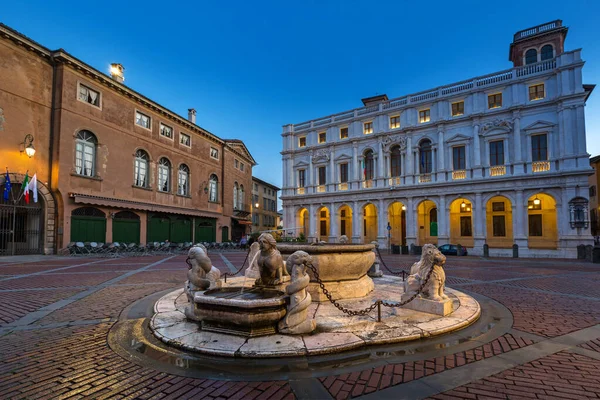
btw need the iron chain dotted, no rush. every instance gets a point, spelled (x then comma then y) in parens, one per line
(226, 274)
(402, 272)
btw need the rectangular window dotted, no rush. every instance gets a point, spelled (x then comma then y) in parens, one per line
(395, 122)
(322, 175)
(166, 131)
(458, 158)
(495, 100)
(424, 116)
(255, 185)
(323, 227)
(301, 178)
(322, 137)
(89, 95)
(344, 133)
(458, 108)
(143, 120)
(497, 206)
(185, 139)
(236, 163)
(302, 141)
(242, 166)
(535, 204)
(214, 153)
(368, 128)
(536, 92)
(497, 153)
(539, 148)
(498, 225)
(535, 225)
(465, 226)
(344, 173)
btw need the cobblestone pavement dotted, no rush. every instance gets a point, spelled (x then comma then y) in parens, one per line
(55, 316)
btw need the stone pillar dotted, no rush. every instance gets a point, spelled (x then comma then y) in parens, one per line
(380, 164)
(312, 223)
(411, 223)
(331, 171)
(520, 220)
(409, 161)
(580, 133)
(382, 220)
(480, 225)
(476, 150)
(334, 218)
(518, 154)
(355, 177)
(310, 176)
(356, 223)
(443, 221)
(441, 168)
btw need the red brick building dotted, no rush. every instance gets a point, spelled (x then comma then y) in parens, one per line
(112, 165)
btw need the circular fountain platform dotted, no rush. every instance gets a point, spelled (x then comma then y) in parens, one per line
(336, 332)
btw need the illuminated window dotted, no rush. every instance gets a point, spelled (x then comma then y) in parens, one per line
(495, 100)
(458, 108)
(531, 56)
(89, 95)
(143, 120)
(368, 128)
(344, 133)
(185, 139)
(166, 131)
(395, 122)
(302, 141)
(536, 92)
(322, 137)
(424, 116)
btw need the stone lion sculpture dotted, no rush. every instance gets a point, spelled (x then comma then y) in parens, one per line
(431, 257)
(270, 263)
(201, 274)
(296, 320)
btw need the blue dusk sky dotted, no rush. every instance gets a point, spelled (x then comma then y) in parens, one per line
(249, 67)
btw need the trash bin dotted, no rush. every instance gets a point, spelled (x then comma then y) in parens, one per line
(395, 249)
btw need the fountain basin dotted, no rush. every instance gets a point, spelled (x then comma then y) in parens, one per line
(342, 268)
(253, 312)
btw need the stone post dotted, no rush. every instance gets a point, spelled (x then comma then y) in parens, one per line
(334, 217)
(356, 223)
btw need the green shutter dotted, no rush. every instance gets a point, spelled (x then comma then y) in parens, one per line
(88, 229)
(206, 230)
(126, 231)
(159, 228)
(433, 229)
(181, 230)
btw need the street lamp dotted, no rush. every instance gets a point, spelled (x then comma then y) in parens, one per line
(256, 205)
(27, 146)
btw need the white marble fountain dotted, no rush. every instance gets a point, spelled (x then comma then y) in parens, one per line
(278, 309)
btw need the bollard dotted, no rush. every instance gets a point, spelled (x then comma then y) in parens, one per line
(581, 252)
(411, 250)
(486, 250)
(459, 250)
(588, 252)
(515, 250)
(596, 255)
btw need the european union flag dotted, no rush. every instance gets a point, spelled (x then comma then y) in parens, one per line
(6, 186)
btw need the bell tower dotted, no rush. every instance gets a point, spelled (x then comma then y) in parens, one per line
(539, 43)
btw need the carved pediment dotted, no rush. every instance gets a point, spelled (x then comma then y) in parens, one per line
(392, 140)
(496, 125)
(301, 164)
(321, 155)
(539, 125)
(342, 157)
(458, 138)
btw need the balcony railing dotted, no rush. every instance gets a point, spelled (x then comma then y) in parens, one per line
(368, 184)
(540, 166)
(537, 29)
(424, 178)
(343, 186)
(498, 170)
(321, 189)
(301, 190)
(459, 174)
(395, 181)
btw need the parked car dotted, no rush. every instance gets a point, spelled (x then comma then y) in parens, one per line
(452, 250)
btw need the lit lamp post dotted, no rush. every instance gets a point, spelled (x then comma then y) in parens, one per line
(27, 146)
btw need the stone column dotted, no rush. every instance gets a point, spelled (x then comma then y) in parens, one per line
(580, 133)
(355, 178)
(518, 154)
(520, 220)
(411, 223)
(480, 225)
(409, 161)
(334, 218)
(310, 175)
(441, 167)
(312, 223)
(476, 150)
(443, 221)
(356, 223)
(380, 164)
(382, 221)
(332, 180)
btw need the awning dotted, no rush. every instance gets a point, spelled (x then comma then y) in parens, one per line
(137, 205)
(242, 221)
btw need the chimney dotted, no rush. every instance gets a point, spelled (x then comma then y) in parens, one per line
(192, 115)
(116, 72)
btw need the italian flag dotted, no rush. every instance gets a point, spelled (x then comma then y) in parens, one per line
(30, 185)
(25, 186)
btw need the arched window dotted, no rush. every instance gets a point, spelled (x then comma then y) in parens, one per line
(183, 180)
(395, 161)
(85, 153)
(235, 195)
(164, 175)
(213, 189)
(140, 168)
(425, 159)
(531, 56)
(547, 52)
(241, 197)
(368, 167)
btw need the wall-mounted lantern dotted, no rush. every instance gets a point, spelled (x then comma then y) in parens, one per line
(27, 146)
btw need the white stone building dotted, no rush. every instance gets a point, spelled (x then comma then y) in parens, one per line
(499, 160)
